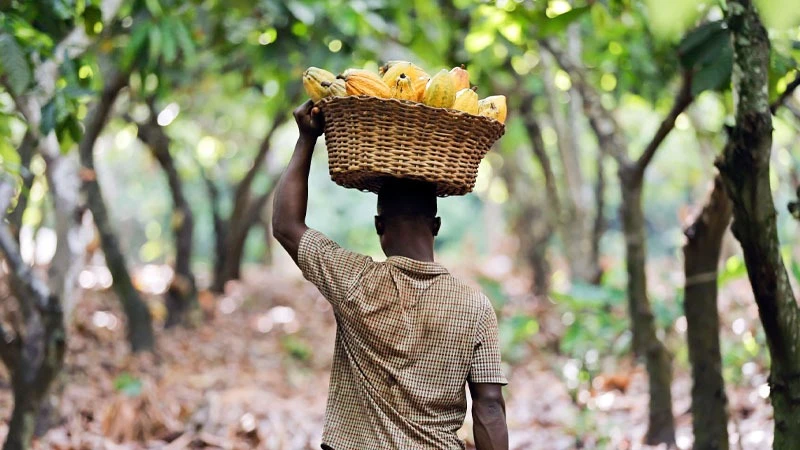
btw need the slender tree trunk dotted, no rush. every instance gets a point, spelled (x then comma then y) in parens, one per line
(745, 168)
(34, 359)
(599, 226)
(534, 225)
(219, 233)
(701, 260)
(576, 223)
(140, 329)
(661, 426)
(181, 296)
(232, 233)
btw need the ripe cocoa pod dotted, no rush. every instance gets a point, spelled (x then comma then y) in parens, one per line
(313, 78)
(439, 91)
(493, 107)
(403, 89)
(460, 78)
(364, 82)
(467, 101)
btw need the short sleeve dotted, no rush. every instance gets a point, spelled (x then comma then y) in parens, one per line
(332, 269)
(485, 366)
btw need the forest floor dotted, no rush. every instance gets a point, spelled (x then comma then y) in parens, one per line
(255, 374)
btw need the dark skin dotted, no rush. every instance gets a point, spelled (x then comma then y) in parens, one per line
(411, 237)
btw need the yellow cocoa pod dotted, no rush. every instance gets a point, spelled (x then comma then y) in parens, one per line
(439, 91)
(313, 78)
(393, 69)
(467, 101)
(493, 107)
(403, 89)
(335, 88)
(460, 78)
(364, 82)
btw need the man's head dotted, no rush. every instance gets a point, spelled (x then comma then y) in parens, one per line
(406, 213)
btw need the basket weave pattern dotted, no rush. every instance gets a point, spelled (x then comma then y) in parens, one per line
(370, 139)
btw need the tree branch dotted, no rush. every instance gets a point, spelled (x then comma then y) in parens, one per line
(683, 99)
(27, 287)
(99, 116)
(790, 88)
(242, 195)
(602, 121)
(537, 145)
(25, 151)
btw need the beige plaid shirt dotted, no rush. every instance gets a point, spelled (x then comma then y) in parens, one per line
(409, 336)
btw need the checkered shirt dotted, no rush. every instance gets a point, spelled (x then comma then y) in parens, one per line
(408, 338)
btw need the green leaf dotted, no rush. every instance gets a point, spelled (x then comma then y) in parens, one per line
(9, 157)
(48, 121)
(128, 385)
(702, 44)
(155, 41)
(185, 40)
(91, 16)
(559, 23)
(14, 64)
(169, 47)
(154, 6)
(716, 74)
(132, 50)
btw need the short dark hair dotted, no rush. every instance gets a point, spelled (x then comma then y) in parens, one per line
(407, 198)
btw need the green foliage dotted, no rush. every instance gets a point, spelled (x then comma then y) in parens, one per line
(594, 317)
(515, 334)
(13, 66)
(128, 385)
(297, 348)
(707, 51)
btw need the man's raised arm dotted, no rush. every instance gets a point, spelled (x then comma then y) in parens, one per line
(291, 195)
(488, 416)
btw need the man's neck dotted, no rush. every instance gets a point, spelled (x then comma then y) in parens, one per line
(418, 253)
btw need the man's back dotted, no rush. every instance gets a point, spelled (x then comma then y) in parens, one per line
(409, 337)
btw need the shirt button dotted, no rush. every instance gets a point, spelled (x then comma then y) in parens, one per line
(391, 380)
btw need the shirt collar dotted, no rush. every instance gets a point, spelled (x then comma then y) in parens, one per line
(414, 266)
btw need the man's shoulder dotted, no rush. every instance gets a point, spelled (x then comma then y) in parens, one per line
(467, 293)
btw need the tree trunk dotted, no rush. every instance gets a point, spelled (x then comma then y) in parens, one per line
(140, 329)
(745, 167)
(237, 237)
(181, 296)
(34, 359)
(220, 228)
(701, 260)
(599, 226)
(661, 426)
(576, 223)
(232, 233)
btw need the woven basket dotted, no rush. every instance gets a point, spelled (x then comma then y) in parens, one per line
(370, 139)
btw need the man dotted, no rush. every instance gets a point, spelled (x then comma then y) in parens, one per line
(409, 335)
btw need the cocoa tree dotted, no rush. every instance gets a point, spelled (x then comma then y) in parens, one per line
(701, 259)
(34, 352)
(744, 168)
(631, 176)
(139, 325)
(181, 296)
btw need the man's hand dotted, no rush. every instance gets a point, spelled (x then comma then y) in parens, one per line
(309, 120)
(291, 194)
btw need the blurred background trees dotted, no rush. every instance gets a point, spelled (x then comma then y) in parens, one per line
(143, 138)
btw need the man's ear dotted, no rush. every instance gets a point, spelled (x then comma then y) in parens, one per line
(437, 223)
(379, 225)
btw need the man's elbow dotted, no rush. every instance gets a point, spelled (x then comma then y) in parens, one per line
(490, 407)
(281, 231)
